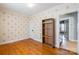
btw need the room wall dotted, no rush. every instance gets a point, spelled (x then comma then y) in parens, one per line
(13, 26)
(55, 12)
(73, 28)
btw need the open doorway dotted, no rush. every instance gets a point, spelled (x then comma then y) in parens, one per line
(68, 31)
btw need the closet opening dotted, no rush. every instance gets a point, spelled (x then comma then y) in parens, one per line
(48, 30)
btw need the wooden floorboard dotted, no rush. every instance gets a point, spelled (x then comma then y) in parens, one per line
(31, 47)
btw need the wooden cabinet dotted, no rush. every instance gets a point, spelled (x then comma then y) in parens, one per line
(48, 26)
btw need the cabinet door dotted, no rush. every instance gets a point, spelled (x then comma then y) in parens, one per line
(48, 32)
(46, 39)
(50, 41)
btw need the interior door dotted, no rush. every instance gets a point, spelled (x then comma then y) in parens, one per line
(49, 32)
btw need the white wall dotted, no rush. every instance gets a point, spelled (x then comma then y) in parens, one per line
(35, 23)
(36, 20)
(71, 29)
(78, 34)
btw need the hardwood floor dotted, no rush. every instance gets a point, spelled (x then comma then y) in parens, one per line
(70, 45)
(31, 47)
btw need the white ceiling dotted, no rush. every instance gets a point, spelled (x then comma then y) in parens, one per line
(24, 9)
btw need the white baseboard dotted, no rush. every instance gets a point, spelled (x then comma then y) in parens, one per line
(37, 40)
(6, 42)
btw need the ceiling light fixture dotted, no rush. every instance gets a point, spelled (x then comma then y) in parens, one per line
(30, 5)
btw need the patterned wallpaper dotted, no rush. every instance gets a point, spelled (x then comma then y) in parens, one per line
(55, 12)
(13, 26)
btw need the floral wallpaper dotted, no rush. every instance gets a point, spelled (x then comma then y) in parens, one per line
(54, 12)
(13, 26)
